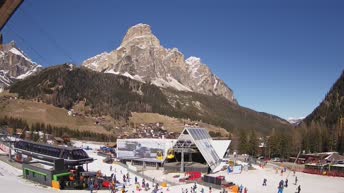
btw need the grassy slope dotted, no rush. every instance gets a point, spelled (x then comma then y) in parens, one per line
(34, 112)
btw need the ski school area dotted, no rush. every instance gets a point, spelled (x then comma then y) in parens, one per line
(192, 163)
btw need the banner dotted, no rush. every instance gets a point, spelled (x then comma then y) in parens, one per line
(237, 169)
(142, 149)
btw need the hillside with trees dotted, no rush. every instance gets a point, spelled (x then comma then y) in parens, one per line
(108, 94)
(331, 109)
(323, 129)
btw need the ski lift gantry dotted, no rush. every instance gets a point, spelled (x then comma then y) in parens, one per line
(184, 147)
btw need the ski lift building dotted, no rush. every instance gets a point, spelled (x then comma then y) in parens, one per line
(195, 152)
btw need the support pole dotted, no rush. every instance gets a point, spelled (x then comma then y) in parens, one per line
(182, 162)
(295, 162)
(9, 154)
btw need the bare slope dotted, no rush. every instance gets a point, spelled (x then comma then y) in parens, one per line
(37, 112)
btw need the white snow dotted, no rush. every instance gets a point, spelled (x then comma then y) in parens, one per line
(170, 82)
(192, 60)
(11, 181)
(293, 120)
(176, 84)
(194, 64)
(20, 53)
(112, 71)
(4, 78)
(95, 60)
(127, 74)
(140, 25)
(71, 67)
(138, 78)
(28, 73)
(216, 82)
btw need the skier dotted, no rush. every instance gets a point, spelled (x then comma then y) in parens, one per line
(280, 186)
(245, 190)
(241, 188)
(264, 182)
(112, 188)
(91, 185)
(295, 180)
(286, 183)
(111, 168)
(298, 189)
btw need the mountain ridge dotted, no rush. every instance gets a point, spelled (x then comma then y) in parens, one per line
(331, 109)
(15, 65)
(118, 96)
(141, 57)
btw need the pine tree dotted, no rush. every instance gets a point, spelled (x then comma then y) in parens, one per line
(243, 143)
(252, 143)
(273, 144)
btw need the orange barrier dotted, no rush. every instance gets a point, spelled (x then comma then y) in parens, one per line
(55, 184)
(234, 189)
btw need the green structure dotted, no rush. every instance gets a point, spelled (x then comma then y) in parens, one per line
(37, 173)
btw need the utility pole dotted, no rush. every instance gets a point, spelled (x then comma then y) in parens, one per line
(182, 161)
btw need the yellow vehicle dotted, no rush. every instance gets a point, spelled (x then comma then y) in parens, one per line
(231, 163)
(159, 156)
(170, 154)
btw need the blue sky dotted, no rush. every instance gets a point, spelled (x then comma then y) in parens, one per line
(279, 57)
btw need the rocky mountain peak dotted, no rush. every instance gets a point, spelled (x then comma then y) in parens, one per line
(140, 34)
(141, 57)
(14, 64)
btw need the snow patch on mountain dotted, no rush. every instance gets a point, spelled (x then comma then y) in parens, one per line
(170, 83)
(127, 74)
(29, 73)
(111, 71)
(94, 61)
(194, 64)
(295, 121)
(15, 51)
(215, 84)
(4, 78)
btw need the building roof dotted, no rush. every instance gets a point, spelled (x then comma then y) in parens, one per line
(335, 157)
(201, 138)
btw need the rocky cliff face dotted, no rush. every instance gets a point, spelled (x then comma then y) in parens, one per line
(14, 65)
(141, 57)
